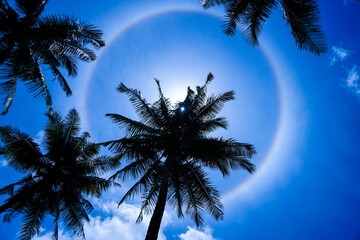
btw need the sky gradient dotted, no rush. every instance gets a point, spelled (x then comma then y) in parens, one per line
(300, 111)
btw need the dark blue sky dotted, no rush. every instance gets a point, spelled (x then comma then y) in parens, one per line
(302, 113)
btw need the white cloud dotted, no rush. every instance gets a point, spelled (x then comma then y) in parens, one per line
(352, 80)
(338, 54)
(193, 234)
(120, 223)
(3, 163)
(40, 138)
(353, 77)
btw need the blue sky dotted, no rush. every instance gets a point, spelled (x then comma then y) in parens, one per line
(301, 112)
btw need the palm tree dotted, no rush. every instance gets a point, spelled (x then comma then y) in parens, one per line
(301, 15)
(28, 43)
(57, 181)
(168, 150)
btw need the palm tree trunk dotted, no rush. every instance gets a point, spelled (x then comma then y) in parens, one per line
(154, 226)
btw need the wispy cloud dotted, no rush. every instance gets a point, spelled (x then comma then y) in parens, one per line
(3, 163)
(352, 80)
(193, 234)
(39, 137)
(338, 54)
(350, 1)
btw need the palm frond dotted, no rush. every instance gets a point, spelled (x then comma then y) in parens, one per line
(18, 202)
(207, 195)
(32, 220)
(150, 198)
(201, 92)
(210, 3)
(31, 9)
(36, 83)
(53, 63)
(22, 66)
(72, 125)
(142, 108)
(70, 30)
(62, 47)
(6, 46)
(8, 89)
(256, 15)
(56, 221)
(303, 19)
(176, 190)
(164, 104)
(104, 164)
(94, 186)
(20, 150)
(135, 147)
(70, 64)
(61, 79)
(234, 13)
(9, 189)
(222, 155)
(150, 177)
(73, 215)
(132, 127)
(213, 105)
(213, 124)
(193, 204)
(134, 169)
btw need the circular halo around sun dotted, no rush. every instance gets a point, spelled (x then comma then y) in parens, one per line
(283, 98)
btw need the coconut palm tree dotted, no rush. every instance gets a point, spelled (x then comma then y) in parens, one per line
(169, 147)
(30, 43)
(303, 17)
(57, 181)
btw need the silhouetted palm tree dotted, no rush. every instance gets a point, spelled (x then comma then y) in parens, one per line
(168, 149)
(28, 41)
(301, 15)
(57, 181)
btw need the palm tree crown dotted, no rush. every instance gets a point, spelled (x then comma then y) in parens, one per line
(56, 181)
(28, 41)
(301, 15)
(168, 149)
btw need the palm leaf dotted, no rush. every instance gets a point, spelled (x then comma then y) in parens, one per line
(31, 222)
(206, 193)
(213, 105)
(32, 9)
(303, 18)
(132, 127)
(72, 125)
(164, 104)
(210, 3)
(20, 150)
(234, 13)
(55, 28)
(8, 89)
(141, 106)
(256, 15)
